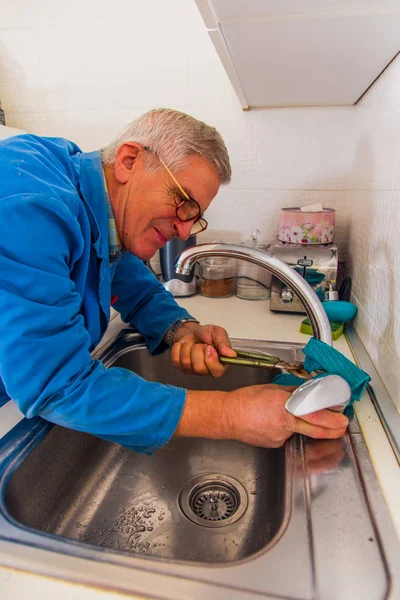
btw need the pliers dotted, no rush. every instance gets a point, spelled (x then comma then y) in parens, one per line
(267, 361)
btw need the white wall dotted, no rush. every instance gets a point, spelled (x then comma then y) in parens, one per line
(84, 69)
(373, 195)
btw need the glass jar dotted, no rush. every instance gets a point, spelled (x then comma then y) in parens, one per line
(217, 277)
(253, 282)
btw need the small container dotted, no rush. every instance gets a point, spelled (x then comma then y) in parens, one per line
(217, 277)
(253, 282)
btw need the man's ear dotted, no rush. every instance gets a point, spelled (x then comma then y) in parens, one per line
(125, 160)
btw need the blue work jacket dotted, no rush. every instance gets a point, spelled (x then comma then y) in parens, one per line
(56, 283)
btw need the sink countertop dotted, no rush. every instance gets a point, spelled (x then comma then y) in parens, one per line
(242, 319)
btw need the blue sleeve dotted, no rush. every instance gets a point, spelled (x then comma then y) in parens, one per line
(45, 363)
(144, 302)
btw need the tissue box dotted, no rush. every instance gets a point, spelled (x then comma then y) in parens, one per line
(297, 226)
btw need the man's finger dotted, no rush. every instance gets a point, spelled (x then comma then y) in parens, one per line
(214, 366)
(222, 342)
(176, 354)
(185, 358)
(225, 350)
(278, 386)
(317, 432)
(198, 361)
(287, 388)
(327, 418)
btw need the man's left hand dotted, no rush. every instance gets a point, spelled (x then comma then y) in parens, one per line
(196, 349)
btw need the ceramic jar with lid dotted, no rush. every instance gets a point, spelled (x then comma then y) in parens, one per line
(253, 282)
(217, 277)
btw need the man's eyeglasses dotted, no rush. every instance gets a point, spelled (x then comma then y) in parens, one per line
(188, 209)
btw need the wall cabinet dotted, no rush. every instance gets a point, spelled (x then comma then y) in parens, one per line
(302, 52)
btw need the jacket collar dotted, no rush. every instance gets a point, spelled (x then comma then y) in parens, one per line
(91, 185)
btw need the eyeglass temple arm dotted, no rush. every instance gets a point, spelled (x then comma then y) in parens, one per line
(173, 178)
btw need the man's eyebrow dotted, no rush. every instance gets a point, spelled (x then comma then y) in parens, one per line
(186, 190)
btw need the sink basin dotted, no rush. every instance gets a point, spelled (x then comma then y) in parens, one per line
(195, 499)
(200, 517)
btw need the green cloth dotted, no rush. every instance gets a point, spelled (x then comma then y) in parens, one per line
(321, 356)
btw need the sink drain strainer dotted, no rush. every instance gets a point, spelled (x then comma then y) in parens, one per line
(213, 500)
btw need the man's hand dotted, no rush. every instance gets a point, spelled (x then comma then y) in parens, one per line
(255, 415)
(196, 349)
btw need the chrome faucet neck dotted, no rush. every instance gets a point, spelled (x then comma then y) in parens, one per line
(308, 298)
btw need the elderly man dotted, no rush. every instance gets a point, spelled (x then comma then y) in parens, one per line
(75, 229)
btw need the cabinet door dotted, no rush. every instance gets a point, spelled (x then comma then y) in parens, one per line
(299, 53)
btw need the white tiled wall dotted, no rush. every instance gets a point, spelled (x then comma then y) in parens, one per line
(83, 70)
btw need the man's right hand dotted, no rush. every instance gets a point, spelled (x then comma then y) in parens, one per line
(255, 415)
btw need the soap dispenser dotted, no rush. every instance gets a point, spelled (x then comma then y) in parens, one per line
(338, 310)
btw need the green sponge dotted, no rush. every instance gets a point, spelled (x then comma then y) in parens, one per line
(336, 327)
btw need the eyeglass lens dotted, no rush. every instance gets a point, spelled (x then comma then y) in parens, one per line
(199, 226)
(189, 209)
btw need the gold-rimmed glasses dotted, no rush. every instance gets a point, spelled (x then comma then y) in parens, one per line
(188, 209)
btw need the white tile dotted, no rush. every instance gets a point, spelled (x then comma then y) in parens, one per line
(387, 364)
(47, 14)
(375, 150)
(362, 322)
(385, 314)
(374, 248)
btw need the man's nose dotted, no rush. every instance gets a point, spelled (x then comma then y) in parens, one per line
(182, 229)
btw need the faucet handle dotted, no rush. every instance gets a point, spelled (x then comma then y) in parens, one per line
(330, 391)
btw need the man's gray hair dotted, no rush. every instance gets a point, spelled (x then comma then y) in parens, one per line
(173, 136)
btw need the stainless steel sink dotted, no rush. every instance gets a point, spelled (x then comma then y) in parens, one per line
(196, 499)
(283, 522)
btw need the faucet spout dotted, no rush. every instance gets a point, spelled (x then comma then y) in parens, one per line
(309, 299)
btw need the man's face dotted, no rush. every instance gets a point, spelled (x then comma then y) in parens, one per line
(144, 202)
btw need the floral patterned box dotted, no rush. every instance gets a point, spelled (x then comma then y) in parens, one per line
(308, 228)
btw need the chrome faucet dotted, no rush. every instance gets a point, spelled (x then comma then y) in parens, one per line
(309, 299)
